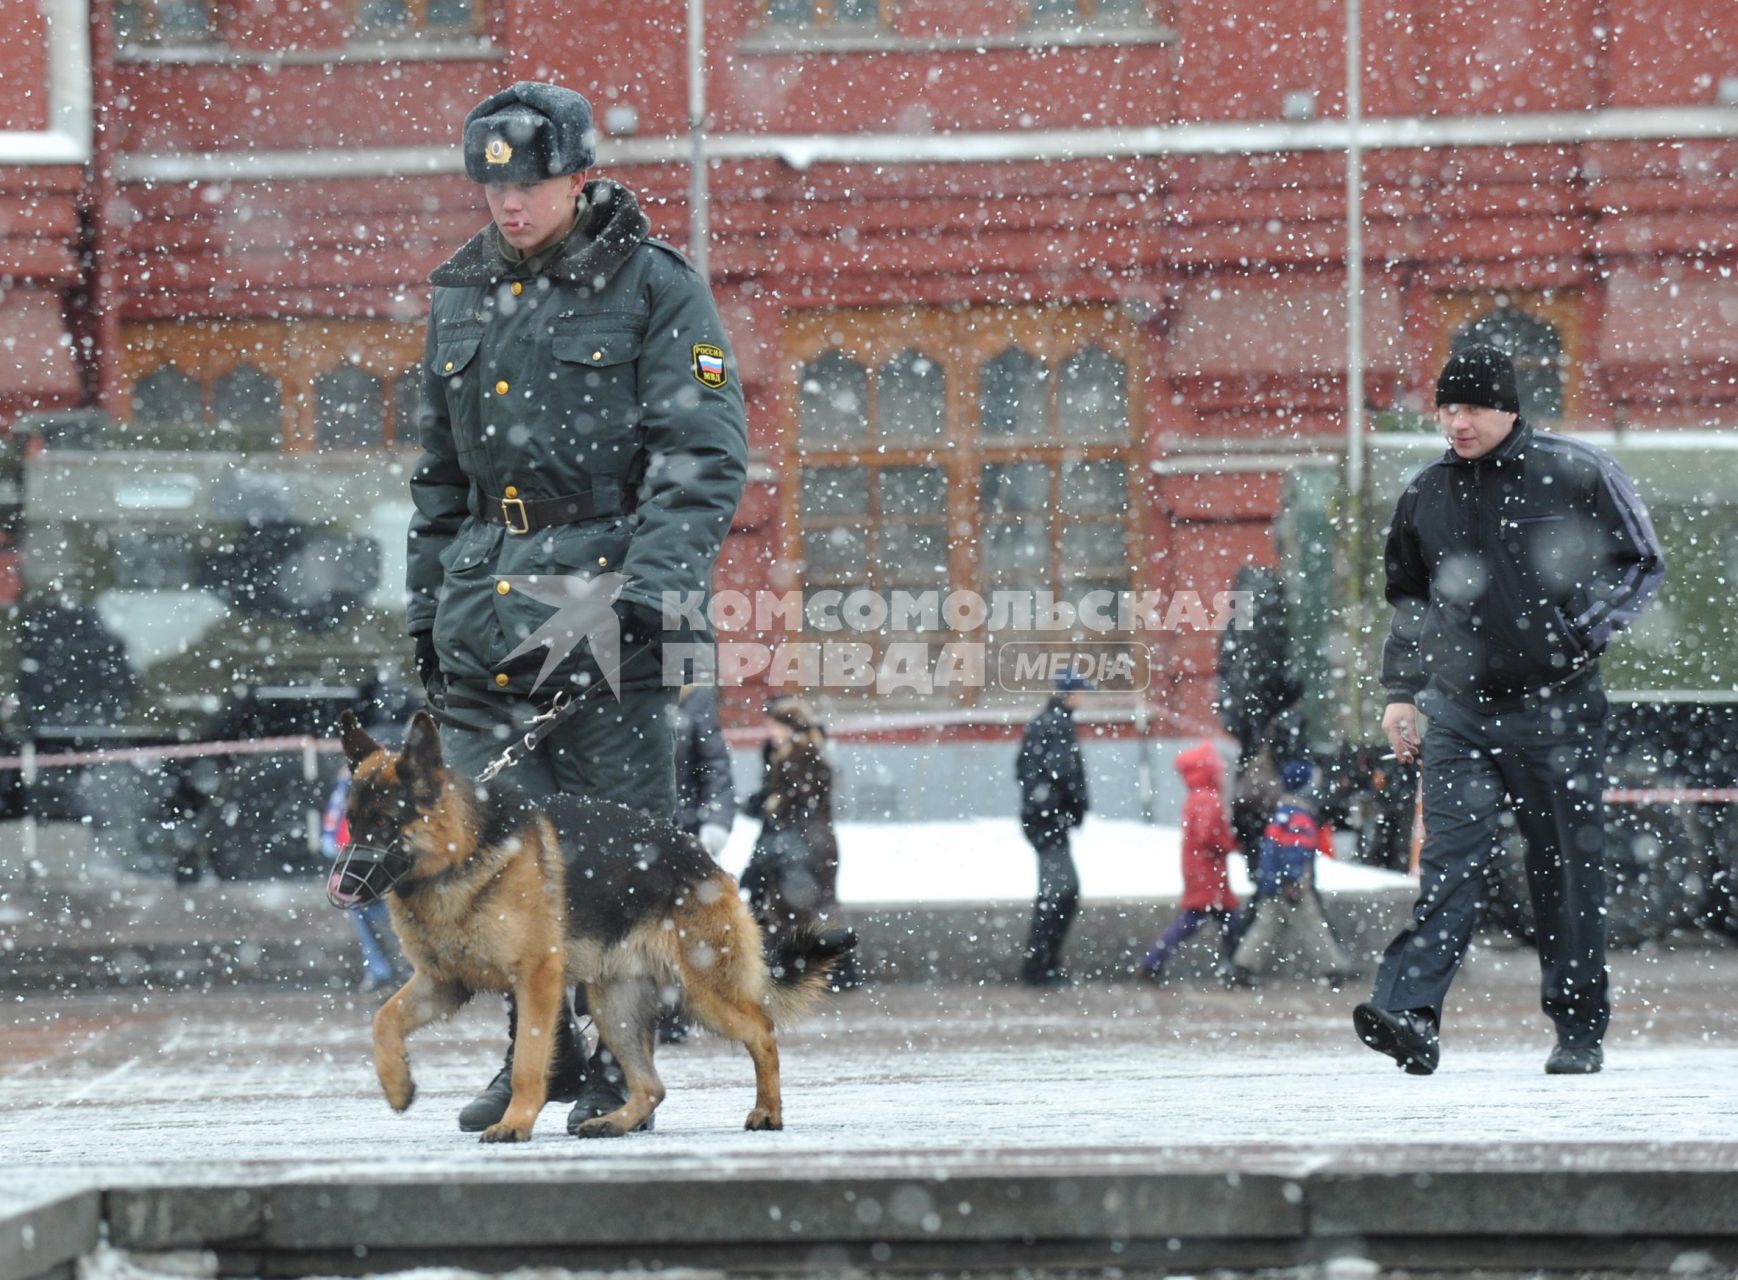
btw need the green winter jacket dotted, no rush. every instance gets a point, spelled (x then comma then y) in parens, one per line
(606, 375)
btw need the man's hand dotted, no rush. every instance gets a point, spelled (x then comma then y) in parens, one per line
(428, 665)
(1400, 724)
(640, 625)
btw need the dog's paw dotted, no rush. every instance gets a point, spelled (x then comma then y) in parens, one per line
(599, 1127)
(762, 1119)
(505, 1132)
(400, 1096)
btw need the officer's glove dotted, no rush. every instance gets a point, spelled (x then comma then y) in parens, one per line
(639, 629)
(713, 837)
(640, 625)
(428, 665)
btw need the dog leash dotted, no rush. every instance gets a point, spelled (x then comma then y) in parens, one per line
(544, 723)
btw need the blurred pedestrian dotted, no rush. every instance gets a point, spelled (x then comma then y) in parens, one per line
(1207, 842)
(705, 797)
(580, 415)
(1053, 802)
(1512, 561)
(705, 790)
(792, 878)
(1286, 920)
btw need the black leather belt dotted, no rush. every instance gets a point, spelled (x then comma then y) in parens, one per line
(527, 515)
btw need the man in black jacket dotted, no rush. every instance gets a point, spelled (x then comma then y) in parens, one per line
(1053, 802)
(705, 796)
(705, 790)
(1512, 561)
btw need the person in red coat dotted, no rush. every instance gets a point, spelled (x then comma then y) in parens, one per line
(1207, 839)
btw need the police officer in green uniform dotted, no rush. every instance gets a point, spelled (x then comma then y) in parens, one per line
(580, 416)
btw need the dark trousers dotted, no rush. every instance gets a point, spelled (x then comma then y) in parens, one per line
(615, 749)
(1053, 912)
(1550, 762)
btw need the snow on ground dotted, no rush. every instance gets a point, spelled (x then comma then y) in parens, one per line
(988, 860)
(251, 1085)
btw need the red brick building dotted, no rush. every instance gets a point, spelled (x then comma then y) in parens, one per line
(1034, 293)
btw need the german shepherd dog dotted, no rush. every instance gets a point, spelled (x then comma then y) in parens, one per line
(489, 891)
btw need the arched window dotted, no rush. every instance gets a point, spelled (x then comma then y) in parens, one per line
(247, 410)
(1092, 397)
(910, 400)
(1014, 394)
(167, 409)
(349, 409)
(833, 401)
(1534, 346)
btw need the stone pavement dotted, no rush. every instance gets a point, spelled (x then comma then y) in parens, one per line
(957, 1125)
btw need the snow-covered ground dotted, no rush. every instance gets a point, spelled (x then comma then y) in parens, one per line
(271, 1085)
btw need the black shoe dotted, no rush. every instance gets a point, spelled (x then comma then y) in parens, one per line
(1047, 978)
(602, 1092)
(1574, 1059)
(1407, 1037)
(566, 1079)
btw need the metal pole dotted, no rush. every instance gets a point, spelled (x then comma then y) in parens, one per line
(1354, 541)
(27, 826)
(699, 214)
(1354, 254)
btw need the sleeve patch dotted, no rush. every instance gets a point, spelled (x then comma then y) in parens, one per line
(709, 365)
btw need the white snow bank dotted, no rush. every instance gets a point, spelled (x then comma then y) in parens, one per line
(988, 860)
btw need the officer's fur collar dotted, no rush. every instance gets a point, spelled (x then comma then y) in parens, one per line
(612, 227)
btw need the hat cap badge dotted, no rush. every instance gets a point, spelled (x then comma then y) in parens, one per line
(498, 152)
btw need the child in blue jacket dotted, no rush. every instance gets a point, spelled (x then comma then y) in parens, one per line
(1287, 918)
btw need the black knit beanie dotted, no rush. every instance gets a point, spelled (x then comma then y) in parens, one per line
(1480, 376)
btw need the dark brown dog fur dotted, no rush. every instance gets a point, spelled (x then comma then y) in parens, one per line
(507, 895)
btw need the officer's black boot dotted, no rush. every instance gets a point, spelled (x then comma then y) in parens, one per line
(602, 1090)
(566, 1076)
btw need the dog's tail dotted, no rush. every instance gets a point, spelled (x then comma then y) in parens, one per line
(801, 966)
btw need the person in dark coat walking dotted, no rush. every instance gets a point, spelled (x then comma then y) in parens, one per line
(792, 878)
(581, 421)
(705, 791)
(1512, 561)
(705, 797)
(1053, 802)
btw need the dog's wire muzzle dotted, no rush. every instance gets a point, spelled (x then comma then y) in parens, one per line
(365, 873)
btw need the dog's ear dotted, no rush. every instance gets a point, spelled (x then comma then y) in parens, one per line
(421, 760)
(358, 746)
